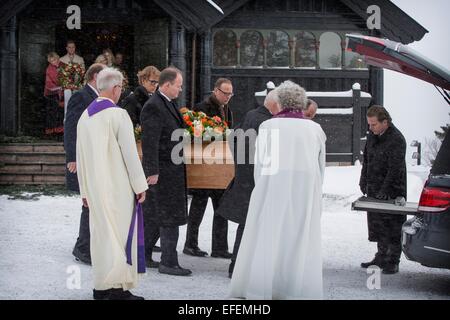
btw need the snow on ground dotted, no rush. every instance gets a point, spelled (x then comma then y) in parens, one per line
(36, 240)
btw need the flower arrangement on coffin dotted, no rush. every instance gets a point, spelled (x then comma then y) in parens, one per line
(70, 76)
(202, 127)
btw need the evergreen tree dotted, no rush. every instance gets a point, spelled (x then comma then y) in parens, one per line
(441, 135)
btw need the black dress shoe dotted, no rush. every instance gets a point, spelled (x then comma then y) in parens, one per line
(152, 264)
(375, 262)
(196, 252)
(156, 249)
(120, 294)
(390, 268)
(101, 294)
(80, 257)
(221, 254)
(174, 271)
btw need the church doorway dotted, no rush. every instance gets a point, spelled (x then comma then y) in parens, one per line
(142, 42)
(96, 37)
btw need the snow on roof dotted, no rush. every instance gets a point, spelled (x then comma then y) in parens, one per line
(349, 93)
(335, 111)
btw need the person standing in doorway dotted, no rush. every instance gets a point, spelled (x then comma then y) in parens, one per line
(71, 56)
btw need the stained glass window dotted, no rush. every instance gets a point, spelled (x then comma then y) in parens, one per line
(330, 51)
(225, 52)
(252, 53)
(278, 49)
(305, 50)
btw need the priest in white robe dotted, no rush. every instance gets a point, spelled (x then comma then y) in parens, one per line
(280, 254)
(111, 180)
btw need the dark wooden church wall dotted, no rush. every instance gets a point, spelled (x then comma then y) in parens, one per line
(302, 15)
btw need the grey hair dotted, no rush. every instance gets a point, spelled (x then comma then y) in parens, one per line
(108, 78)
(272, 95)
(292, 96)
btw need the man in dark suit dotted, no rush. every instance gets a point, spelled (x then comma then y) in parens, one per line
(78, 102)
(383, 176)
(215, 105)
(166, 206)
(234, 203)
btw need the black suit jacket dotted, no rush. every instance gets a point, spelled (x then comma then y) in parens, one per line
(134, 102)
(235, 201)
(211, 107)
(78, 102)
(166, 203)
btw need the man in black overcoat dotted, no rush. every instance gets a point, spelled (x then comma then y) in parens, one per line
(383, 176)
(234, 203)
(216, 104)
(78, 102)
(165, 208)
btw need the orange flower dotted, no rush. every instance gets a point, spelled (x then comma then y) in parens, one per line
(217, 119)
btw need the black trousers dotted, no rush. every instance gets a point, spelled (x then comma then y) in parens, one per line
(196, 212)
(151, 236)
(237, 243)
(82, 246)
(168, 238)
(386, 230)
(389, 251)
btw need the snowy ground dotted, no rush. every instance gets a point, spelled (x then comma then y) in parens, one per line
(36, 240)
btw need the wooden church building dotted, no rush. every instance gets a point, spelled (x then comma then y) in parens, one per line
(250, 41)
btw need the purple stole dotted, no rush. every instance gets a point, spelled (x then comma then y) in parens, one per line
(289, 113)
(97, 106)
(140, 234)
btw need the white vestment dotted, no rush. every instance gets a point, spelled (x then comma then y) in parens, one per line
(280, 252)
(110, 174)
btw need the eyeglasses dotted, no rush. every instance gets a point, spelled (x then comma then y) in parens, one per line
(154, 82)
(228, 94)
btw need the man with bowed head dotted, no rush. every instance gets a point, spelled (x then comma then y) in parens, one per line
(78, 102)
(166, 207)
(111, 178)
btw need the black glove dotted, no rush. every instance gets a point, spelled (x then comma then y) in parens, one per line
(381, 196)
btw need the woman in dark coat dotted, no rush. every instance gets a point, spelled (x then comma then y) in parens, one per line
(148, 82)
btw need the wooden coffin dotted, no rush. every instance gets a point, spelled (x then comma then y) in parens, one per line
(208, 166)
